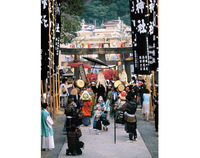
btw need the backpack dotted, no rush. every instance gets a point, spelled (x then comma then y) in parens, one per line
(63, 90)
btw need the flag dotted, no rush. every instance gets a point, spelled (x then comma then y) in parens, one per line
(44, 39)
(138, 12)
(153, 35)
(57, 31)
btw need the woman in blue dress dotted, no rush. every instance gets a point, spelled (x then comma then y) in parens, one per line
(145, 106)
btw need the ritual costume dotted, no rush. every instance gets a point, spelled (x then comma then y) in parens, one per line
(87, 103)
(97, 119)
(47, 131)
(101, 103)
(93, 96)
(101, 85)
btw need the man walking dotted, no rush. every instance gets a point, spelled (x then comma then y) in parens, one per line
(63, 93)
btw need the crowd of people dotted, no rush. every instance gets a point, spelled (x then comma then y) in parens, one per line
(95, 105)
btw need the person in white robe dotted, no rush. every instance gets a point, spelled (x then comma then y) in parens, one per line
(47, 139)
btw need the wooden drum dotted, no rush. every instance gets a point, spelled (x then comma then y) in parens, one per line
(117, 83)
(80, 83)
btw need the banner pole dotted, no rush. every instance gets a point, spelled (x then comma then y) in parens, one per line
(46, 92)
(54, 106)
(59, 89)
(56, 92)
(51, 112)
(42, 91)
(153, 84)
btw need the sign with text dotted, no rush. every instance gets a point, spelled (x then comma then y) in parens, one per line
(139, 25)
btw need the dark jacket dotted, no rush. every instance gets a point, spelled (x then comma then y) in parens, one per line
(129, 107)
(73, 138)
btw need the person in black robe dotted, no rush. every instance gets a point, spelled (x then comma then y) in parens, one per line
(101, 92)
(142, 89)
(73, 141)
(130, 127)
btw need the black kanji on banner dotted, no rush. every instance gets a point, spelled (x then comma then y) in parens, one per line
(134, 35)
(153, 35)
(57, 31)
(138, 11)
(44, 38)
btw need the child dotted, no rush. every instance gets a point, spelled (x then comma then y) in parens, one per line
(105, 117)
(101, 103)
(73, 141)
(97, 119)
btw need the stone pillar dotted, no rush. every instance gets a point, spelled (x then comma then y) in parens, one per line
(76, 70)
(128, 70)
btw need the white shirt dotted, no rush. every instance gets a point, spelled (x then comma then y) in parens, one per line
(61, 93)
(49, 121)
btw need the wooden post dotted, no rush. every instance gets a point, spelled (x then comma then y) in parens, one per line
(149, 88)
(42, 91)
(46, 92)
(58, 90)
(54, 107)
(153, 84)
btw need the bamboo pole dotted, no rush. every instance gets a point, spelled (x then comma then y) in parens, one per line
(54, 107)
(46, 89)
(51, 112)
(149, 88)
(58, 90)
(42, 91)
(153, 84)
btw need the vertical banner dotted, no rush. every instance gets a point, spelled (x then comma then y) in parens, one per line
(57, 31)
(44, 38)
(139, 25)
(82, 73)
(153, 35)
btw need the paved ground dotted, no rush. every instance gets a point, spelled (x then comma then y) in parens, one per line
(147, 131)
(59, 136)
(98, 146)
(103, 145)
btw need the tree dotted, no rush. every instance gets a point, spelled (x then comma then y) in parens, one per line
(104, 10)
(70, 19)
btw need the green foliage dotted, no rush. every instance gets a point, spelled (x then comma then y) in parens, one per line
(69, 28)
(70, 19)
(104, 10)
